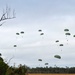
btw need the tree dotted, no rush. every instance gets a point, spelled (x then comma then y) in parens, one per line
(3, 67)
(6, 15)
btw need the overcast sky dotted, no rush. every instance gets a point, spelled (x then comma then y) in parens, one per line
(52, 17)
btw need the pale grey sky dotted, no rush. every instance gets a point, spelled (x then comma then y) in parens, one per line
(52, 16)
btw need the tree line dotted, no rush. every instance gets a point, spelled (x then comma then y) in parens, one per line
(52, 70)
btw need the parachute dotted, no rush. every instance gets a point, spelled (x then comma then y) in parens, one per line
(22, 32)
(42, 34)
(73, 35)
(0, 54)
(57, 41)
(39, 59)
(61, 45)
(57, 56)
(17, 33)
(67, 34)
(66, 29)
(40, 30)
(46, 63)
(15, 45)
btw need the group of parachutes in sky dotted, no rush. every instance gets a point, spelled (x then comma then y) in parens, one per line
(57, 41)
(67, 33)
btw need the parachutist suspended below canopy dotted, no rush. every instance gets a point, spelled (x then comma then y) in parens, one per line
(57, 56)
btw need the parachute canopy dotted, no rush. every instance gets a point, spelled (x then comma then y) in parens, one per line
(17, 33)
(66, 29)
(39, 59)
(42, 34)
(61, 45)
(15, 45)
(46, 63)
(39, 30)
(57, 56)
(57, 41)
(22, 32)
(73, 35)
(0, 54)
(67, 34)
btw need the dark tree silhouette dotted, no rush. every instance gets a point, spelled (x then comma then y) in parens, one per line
(3, 67)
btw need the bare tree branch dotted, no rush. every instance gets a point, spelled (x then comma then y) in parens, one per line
(6, 15)
(2, 23)
(10, 59)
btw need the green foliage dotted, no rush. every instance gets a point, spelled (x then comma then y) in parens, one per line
(3, 67)
(6, 70)
(10, 71)
(20, 70)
